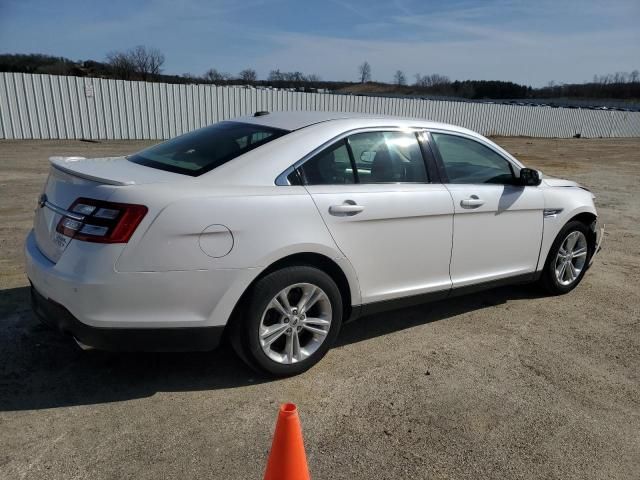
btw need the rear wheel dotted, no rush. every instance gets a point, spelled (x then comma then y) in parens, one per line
(292, 319)
(568, 259)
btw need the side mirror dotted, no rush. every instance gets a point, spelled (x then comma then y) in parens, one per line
(529, 177)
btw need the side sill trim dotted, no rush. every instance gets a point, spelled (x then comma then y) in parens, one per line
(358, 311)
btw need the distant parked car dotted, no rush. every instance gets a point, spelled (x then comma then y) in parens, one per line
(277, 228)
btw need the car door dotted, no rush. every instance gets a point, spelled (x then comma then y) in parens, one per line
(395, 227)
(497, 223)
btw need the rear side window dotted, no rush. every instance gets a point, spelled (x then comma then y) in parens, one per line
(388, 157)
(203, 150)
(467, 161)
(369, 157)
(330, 167)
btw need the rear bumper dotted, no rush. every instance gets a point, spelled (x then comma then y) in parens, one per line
(85, 282)
(125, 339)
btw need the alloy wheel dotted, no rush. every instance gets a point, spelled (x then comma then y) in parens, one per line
(571, 258)
(295, 323)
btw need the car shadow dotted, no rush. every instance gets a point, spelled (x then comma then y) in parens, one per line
(397, 320)
(40, 368)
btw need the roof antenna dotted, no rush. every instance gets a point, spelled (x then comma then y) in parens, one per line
(261, 113)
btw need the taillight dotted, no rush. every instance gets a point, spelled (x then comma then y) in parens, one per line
(101, 222)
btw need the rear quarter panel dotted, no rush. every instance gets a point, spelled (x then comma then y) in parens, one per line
(267, 224)
(264, 223)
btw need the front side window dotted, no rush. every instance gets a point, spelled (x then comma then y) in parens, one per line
(370, 157)
(203, 150)
(468, 161)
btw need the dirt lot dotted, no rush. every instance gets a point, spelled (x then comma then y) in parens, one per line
(504, 384)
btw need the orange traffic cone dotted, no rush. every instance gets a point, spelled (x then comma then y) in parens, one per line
(287, 460)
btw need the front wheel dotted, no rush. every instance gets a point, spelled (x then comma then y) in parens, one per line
(292, 319)
(568, 259)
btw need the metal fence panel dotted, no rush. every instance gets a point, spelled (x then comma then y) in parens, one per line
(58, 107)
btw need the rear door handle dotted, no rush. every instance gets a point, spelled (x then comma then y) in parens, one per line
(347, 209)
(472, 202)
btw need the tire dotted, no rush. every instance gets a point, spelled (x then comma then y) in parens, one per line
(315, 328)
(554, 279)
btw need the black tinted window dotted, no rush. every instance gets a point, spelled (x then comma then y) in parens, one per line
(467, 161)
(330, 167)
(388, 157)
(203, 150)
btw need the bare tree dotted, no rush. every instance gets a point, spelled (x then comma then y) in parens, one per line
(155, 60)
(634, 76)
(431, 80)
(141, 62)
(399, 78)
(248, 75)
(213, 75)
(437, 79)
(190, 77)
(147, 61)
(278, 76)
(364, 72)
(121, 64)
(275, 75)
(294, 76)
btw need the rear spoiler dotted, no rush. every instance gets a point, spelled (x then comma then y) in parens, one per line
(65, 164)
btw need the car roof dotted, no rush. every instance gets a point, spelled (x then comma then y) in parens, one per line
(295, 120)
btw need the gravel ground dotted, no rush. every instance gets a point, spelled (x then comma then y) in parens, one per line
(503, 384)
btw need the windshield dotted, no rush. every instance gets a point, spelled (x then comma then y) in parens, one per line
(203, 150)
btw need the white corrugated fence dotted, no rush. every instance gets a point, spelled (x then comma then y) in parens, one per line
(61, 107)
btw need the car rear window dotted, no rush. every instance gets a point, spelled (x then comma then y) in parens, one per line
(203, 150)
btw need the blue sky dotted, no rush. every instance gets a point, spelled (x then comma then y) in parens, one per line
(530, 42)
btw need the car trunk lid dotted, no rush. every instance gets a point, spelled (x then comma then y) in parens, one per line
(71, 178)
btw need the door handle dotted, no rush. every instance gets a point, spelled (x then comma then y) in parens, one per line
(347, 209)
(472, 202)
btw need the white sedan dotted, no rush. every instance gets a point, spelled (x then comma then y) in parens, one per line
(275, 229)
